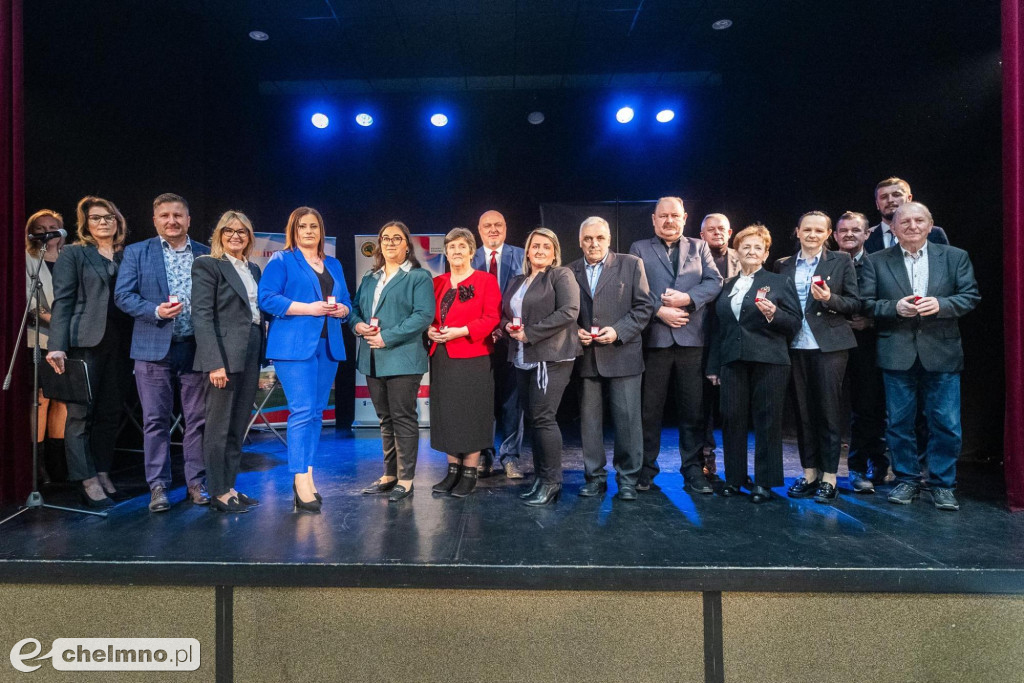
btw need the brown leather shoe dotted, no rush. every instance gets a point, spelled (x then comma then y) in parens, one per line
(198, 494)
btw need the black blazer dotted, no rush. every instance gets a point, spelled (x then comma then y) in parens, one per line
(621, 300)
(752, 337)
(827, 320)
(81, 298)
(221, 314)
(550, 309)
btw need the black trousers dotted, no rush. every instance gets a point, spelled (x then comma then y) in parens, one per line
(90, 432)
(394, 399)
(227, 416)
(867, 407)
(681, 368)
(507, 411)
(624, 400)
(818, 390)
(757, 390)
(540, 409)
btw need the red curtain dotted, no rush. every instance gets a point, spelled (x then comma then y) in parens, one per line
(15, 444)
(1013, 248)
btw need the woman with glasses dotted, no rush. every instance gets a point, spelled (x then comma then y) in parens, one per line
(393, 307)
(539, 315)
(40, 259)
(86, 325)
(461, 379)
(229, 345)
(305, 292)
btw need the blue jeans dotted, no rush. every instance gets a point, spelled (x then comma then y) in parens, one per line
(307, 386)
(939, 394)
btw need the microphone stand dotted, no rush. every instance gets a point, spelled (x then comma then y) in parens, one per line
(35, 499)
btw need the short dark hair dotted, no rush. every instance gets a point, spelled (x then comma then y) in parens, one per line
(170, 198)
(854, 216)
(892, 180)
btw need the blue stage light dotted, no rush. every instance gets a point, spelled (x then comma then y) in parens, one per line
(665, 115)
(439, 120)
(624, 115)
(320, 120)
(364, 120)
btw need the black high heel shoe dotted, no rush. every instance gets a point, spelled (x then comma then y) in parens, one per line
(311, 506)
(532, 491)
(545, 495)
(103, 502)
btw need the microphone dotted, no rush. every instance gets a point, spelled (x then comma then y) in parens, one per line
(47, 236)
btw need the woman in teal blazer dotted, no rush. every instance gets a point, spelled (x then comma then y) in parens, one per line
(394, 305)
(304, 340)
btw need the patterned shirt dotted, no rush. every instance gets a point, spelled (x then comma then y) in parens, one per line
(178, 266)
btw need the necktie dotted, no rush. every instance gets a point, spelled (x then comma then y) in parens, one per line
(493, 268)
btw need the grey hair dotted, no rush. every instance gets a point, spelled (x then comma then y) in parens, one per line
(460, 234)
(594, 220)
(916, 205)
(720, 216)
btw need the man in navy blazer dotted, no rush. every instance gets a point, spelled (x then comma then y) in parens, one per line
(918, 291)
(615, 302)
(716, 230)
(503, 261)
(683, 280)
(891, 194)
(154, 286)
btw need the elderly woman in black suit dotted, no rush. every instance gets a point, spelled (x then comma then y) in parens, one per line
(86, 325)
(539, 314)
(826, 283)
(756, 315)
(229, 346)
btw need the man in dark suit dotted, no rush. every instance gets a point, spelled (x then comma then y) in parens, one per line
(891, 194)
(154, 286)
(918, 293)
(614, 299)
(503, 261)
(867, 459)
(683, 280)
(716, 231)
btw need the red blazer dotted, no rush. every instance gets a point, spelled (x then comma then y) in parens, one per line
(480, 314)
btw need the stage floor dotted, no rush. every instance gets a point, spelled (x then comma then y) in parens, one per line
(667, 540)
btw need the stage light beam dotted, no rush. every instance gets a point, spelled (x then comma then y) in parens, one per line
(665, 115)
(364, 120)
(624, 115)
(439, 120)
(320, 120)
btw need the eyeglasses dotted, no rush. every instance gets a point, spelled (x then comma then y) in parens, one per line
(397, 239)
(109, 218)
(235, 233)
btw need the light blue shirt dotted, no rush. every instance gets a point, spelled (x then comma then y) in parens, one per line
(178, 266)
(804, 339)
(594, 271)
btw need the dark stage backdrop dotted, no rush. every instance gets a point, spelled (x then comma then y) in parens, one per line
(778, 137)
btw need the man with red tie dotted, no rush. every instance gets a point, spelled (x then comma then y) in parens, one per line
(504, 262)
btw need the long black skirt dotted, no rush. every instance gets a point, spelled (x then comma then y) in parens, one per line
(461, 403)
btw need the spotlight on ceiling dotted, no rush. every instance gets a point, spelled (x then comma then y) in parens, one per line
(722, 24)
(665, 115)
(259, 35)
(624, 115)
(439, 120)
(320, 120)
(535, 117)
(364, 120)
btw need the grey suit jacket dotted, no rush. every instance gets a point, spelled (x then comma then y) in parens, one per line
(697, 276)
(621, 300)
(33, 265)
(81, 298)
(550, 309)
(827, 320)
(935, 339)
(220, 314)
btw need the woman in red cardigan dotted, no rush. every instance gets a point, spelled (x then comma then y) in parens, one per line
(461, 381)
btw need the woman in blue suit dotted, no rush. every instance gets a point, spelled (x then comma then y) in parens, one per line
(393, 308)
(305, 340)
